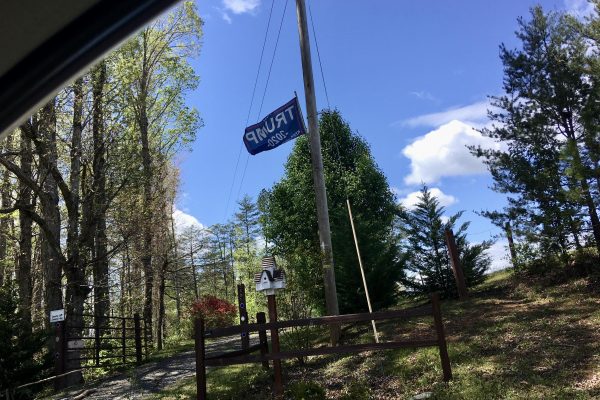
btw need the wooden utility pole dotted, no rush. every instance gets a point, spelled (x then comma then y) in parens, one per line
(456, 267)
(331, 301)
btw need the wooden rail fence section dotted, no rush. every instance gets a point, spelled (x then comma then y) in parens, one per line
(116, 341)
(245, 356)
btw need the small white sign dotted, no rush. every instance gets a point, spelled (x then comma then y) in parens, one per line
(75, 344)
(57, 315)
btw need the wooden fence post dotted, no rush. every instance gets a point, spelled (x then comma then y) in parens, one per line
(441, 338)
(262, 336)
(145, 330)
(96, 341)
(459, 276)
(278, 383)
(241, 289)
(59, 353)
(138, 338)
(123, 336)
(200, 356)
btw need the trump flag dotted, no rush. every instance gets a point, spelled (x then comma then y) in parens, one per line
(282, 125)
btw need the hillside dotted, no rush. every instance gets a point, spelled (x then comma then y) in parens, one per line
(513, 339)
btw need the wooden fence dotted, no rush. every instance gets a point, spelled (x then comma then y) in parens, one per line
(113, 342)
(245, 356)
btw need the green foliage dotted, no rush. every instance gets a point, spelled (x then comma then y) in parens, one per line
(357, 390)
(305, 391)
(547, 122)
(154, 73)
(294, 303)
(426, 251)
(22, 354)
(290, 221)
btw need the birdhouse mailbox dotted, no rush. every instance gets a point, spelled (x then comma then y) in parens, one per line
(270, 278)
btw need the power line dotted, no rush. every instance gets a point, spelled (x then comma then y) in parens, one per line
(262, 52)
(272, 60)
(264, 92)
(318, 54)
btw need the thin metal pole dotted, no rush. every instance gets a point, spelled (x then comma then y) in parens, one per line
(331, 301)
(362, 270)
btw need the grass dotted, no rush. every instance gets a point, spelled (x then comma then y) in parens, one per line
(511, 340)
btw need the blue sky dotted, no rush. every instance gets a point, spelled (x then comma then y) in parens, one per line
(410, 76)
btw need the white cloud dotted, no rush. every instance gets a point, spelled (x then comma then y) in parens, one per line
(473, 114)
(226, 17)
(423, 95)
(579, 8)
(443, 152)
(241, 6)
(184, 221)
(499, 255)
(411, 199)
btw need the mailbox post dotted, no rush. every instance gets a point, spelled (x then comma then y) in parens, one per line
(268, 281)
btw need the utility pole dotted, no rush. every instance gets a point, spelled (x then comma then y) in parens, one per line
(317, 170)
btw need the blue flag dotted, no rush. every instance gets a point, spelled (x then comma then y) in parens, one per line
(280, 126)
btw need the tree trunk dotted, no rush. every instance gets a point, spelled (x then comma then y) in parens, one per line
(25, 235)
(147, 213)
(161, 304)
(100, 265)
(587, 196)
(196, 294)
(511, 244)
(4, 221)
(176, 264)
(50, 213)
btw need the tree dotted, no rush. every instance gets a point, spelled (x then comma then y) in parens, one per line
(291, 223)
(548, 164)
(156, 76)
(427, 258)
(22, 356)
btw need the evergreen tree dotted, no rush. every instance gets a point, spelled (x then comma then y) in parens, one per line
(22, 354)
(291, 221)
(428, 261)
(548, 163)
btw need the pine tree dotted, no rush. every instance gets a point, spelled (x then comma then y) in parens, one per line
(548, 164)
(427, 260)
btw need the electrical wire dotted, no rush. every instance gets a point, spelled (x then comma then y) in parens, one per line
(318, 54)
(262, 52)
(264, 94)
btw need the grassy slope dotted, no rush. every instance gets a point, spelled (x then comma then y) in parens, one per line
(509, 341)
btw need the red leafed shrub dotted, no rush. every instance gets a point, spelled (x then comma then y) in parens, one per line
(215, 312)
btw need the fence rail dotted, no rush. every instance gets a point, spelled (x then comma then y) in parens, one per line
(244, 356)
(103, 343)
